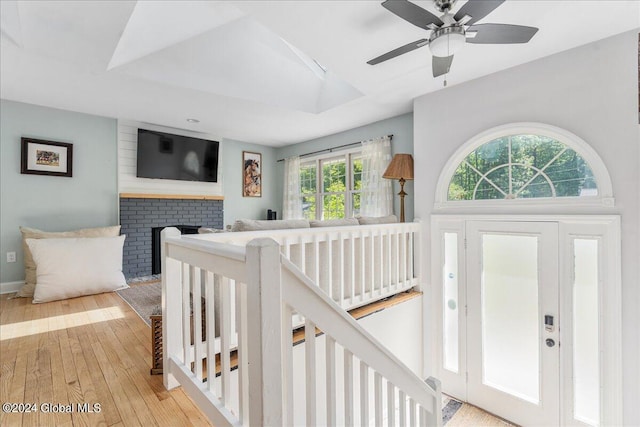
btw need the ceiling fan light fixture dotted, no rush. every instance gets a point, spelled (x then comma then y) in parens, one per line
(447, 41)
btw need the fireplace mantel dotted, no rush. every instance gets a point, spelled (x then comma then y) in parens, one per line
(169, 196)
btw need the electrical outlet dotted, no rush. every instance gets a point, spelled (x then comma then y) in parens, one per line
(11, 257)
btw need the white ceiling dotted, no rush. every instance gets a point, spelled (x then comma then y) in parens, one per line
(246, 69)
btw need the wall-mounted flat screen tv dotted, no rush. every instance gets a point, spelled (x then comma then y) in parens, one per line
(166, 156)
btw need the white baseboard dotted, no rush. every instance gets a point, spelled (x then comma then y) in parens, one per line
(9, 287)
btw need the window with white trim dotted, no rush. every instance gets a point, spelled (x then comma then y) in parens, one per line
(331, 186)
(522, 166)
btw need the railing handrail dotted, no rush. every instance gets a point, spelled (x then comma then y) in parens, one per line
(307, 299)
(280, 233)
(224, 250)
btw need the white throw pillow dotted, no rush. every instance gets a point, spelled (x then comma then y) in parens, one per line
(72, 267)
(31, 233)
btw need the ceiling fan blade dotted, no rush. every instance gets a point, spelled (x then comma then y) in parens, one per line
(399, 51)
(500, 33)
(477, 9)
(441, 65)
(412, 13)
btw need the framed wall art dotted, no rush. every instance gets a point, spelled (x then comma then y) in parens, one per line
(251, 174)
(40, 157)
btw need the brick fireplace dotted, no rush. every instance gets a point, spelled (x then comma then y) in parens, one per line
(139, 215)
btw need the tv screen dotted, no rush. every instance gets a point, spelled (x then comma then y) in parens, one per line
(167, 156)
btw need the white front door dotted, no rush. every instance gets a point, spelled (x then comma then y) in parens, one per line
(512, 320)
(527, 310)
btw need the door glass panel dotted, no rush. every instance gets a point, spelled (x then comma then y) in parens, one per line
(586, 381)
(450, 293)
(510, 320)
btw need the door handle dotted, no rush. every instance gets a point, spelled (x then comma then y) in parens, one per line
(548, 323)
(550, 342)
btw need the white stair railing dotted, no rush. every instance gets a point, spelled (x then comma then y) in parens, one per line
(199, 353)
(354, 265)
(399, 397)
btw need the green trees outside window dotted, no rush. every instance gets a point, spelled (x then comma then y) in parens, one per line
(331, 187)
(519, 167)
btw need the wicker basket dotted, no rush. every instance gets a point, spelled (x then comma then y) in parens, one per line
(156, 344)
(156, 337)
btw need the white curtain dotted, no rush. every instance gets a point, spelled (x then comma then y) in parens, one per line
(292, 200)
(377, 196)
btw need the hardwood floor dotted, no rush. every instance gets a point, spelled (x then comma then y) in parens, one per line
(93, 350)
(96, 350)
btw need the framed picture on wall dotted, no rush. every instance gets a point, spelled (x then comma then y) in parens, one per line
(40, 157)
(251, 174)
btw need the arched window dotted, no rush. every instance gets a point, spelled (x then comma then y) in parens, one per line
(521, 162)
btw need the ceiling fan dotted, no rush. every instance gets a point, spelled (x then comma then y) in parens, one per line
(450, 32)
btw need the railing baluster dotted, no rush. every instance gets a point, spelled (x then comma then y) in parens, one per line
(316, 253)
(391, 404)
(377, 385)
(423, 417)
(342, 273)
(381, 262)
(243, 360)
(364, 394)
(225, 332)
(310, 370)
(287, 363)
(372, 264)
(402, 406)
(404, 256)
(391, 261)
(233, 328)
(412, 413)
(186, 314)
(329, 261)
(363, 260)
(353, 267)
(287, 247)
(348, 388)
(211, 331)
(330, 355)
(196, 274)
(410, 259)
(303, 255)
(397, 260)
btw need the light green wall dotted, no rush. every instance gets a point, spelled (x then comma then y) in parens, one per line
(401, 127)
(88, 199)
(236, 206)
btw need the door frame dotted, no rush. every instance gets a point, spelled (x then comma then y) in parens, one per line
(606, 228)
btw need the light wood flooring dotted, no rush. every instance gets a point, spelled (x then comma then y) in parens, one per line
(92, 349)
(97, 350)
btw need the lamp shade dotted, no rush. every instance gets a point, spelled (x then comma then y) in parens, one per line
(401, 167)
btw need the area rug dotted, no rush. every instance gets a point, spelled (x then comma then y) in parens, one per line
(143, 298)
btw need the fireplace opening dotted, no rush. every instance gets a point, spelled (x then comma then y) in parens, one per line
(156, 260)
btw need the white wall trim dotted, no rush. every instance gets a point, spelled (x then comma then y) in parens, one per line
(580, 146)
(9, 287)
